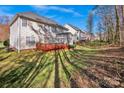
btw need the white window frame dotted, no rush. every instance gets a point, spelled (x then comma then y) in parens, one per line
(30, 40)
(24, 22)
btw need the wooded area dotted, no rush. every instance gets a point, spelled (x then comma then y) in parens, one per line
(111, 24)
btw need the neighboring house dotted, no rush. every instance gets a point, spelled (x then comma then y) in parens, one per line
(27, 29)
(65, 38)
(4, 32)
(78, 34)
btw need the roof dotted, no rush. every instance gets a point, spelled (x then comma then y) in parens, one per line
(74, 27)
(37, 18)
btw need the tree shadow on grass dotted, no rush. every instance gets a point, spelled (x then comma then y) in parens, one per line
(109, 67)
(48, 77)
(102, 83)
(47, 63)
(110, 59)
(17, 76)
(1, 59)
(73, 83)
(39, 68)
(21, 59)
(56, 78)
(109, 64)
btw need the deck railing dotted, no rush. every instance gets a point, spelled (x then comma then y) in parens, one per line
(49, 47)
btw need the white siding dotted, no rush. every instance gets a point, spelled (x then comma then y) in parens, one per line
(77, 35)
(27, 32)
(14, 34)
(65, 39)
(19, 33)
(73, 31)
(70, 29)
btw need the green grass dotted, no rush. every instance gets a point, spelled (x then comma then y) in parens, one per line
(95, 44)
(1, 45)
(78, 67)
(37, 69)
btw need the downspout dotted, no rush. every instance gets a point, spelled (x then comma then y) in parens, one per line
(19, 35)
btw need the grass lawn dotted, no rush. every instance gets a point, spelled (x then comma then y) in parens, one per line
(61, 68)
(1, 45)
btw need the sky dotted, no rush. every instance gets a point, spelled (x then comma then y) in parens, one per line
(63, 14)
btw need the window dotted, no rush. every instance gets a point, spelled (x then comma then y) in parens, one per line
(24, 23)
(30, 40)
(53, 29)
(47, 27)
(60, 30)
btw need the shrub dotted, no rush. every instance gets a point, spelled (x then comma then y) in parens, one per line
(72, 46)
(6, 43)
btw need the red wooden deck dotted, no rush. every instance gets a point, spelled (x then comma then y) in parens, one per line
(49, 47)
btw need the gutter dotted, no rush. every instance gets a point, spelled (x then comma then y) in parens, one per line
(21, 16)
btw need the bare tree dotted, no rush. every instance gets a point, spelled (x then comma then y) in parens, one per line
(121, 14)
(90, 24)
(107, 19)
(90, 21)
(100, 30)
(122, 26)
(117, 37)
(4, 19)
(112, 20)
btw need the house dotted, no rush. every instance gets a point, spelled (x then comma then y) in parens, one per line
(4, 32)
(65, 38)
(27, 29)
(78, 34)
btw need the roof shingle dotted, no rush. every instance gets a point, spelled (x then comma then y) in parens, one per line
(38, 18)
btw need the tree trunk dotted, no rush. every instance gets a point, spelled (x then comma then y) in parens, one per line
(117, 33)
(122, 27)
